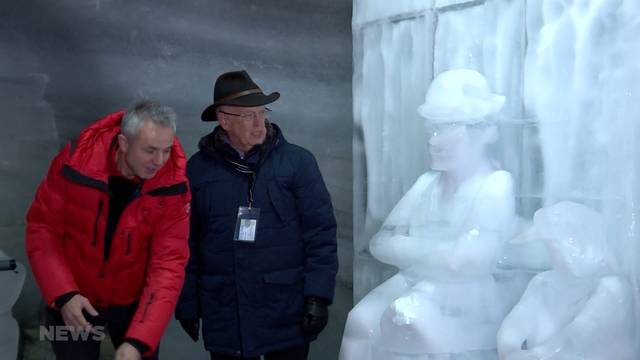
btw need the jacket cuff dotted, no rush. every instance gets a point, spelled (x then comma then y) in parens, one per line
(61, 300)
(139, 345)
(317, 300)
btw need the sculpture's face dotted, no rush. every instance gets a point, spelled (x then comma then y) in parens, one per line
(569, 256)
(456, 145)
(448, 145)
(574, 236)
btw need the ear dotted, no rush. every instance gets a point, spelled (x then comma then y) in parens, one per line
(123, 143)
(222, 120)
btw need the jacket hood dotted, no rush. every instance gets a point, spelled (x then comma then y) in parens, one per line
(89, 156)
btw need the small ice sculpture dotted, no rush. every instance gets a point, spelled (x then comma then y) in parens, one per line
(11, 281)
(578, 310)
(444, 235)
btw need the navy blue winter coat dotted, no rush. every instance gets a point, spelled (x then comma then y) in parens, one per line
(250, 296)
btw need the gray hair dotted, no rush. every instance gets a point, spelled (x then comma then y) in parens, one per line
(147, 110)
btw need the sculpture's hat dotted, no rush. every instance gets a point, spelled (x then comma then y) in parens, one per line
(460, 95)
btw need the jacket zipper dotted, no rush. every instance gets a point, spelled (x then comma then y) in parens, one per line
(146, 307)
(235, 271)
(95, 224)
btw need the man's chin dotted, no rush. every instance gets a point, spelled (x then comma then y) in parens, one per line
(147, 174)
(437, 164)
(259, 139)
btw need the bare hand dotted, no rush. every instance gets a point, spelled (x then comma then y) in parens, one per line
(126, 351)
(72, 313)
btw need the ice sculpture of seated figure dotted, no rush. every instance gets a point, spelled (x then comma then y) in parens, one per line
(578, 310)
(444, 235)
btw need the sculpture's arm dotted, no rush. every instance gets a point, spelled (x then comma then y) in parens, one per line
(392, 244)
(488, 223)
(404, 250)
(474, 250)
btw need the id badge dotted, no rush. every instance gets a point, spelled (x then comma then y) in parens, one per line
(247, 224)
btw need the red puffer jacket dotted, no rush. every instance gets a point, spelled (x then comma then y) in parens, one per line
(66, 226)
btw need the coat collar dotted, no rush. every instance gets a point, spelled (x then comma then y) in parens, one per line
(215, 145)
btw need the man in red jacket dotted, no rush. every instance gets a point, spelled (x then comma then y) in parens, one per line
(107, 234)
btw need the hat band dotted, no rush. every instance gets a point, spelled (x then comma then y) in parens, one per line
(240, 94)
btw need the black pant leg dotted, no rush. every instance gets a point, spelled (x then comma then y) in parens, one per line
(216, 356)
(83, 347)
(300, 352)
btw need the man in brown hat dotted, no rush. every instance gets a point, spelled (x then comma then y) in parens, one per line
(263, 234)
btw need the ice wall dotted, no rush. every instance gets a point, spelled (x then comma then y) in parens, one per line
(581, 78)
(488, 37)
(391, 77)
(569, 63)
(570, 72)
(398, 49)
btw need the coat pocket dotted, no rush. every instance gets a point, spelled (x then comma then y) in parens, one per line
(284, 296)
(285, 277)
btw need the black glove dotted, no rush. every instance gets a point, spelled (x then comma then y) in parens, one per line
(316, 315)
(191, 327)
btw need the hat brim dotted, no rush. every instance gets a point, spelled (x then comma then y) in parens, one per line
(209, 114)
(462, 110)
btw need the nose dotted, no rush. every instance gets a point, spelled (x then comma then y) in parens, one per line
(258, 120)
(434, 138)
(158, 159)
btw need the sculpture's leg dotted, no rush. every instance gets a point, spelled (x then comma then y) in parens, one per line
(430, 318)
(363, 322)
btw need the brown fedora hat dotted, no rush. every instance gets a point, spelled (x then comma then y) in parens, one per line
(236, 88)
